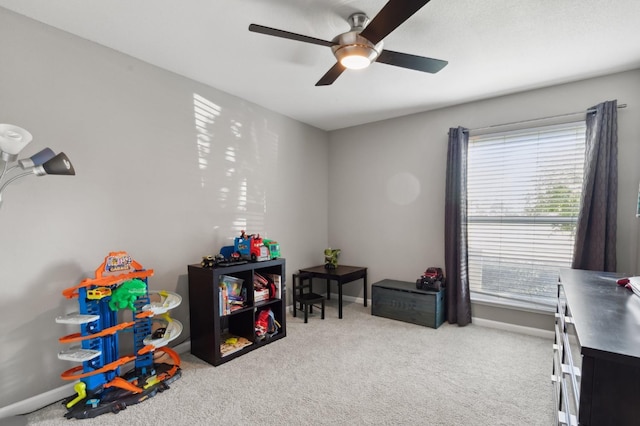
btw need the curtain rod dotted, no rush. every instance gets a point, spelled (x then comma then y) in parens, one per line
(537, 119)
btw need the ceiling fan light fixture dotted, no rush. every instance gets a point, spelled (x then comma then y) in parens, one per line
(354, 51)
(362, 45)
(355, 57)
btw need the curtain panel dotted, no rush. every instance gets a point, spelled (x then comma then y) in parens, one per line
(455, 229)
(595, 243)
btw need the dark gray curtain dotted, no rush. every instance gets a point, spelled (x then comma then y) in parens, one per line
(595, 246)
(455, 229)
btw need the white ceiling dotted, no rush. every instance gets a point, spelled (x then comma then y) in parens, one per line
(494, 47)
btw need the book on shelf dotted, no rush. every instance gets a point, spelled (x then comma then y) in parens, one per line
(232, 295)
(260, 288)
(267, 286)
(222, 300)
(277, 281)
(259, 280)
(260, 295)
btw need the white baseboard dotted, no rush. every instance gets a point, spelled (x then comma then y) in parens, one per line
(538, 332)
(531, 331)
(47, 398)
(353, 299)
(334, 297)
(37, 402)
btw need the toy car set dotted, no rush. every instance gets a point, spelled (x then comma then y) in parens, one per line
(432, 280)
(119, 283)
(245, 248)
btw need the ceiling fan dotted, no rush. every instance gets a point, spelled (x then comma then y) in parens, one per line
(363, 44)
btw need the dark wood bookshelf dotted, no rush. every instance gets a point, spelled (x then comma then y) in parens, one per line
(209, 327)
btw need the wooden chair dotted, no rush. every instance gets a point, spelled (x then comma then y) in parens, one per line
(304, 298)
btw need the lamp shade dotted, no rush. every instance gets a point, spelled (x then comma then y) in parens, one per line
(12, 140)
(58, 165)
(37, 158)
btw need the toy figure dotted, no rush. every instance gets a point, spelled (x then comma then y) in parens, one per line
(331, 258)
(126, 294)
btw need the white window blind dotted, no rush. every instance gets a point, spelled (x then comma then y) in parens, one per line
(523, 200)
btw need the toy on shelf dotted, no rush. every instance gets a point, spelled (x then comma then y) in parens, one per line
(212, 261)
(274, 248)
(229, 258)
(120, 283)
(331, 258)
(251, 247)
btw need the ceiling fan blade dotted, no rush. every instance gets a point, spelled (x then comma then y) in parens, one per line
(331, 75)
(286, 34)
(405, 60)
(394, 13)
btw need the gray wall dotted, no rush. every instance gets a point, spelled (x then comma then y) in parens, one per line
(387, 180)
(149, 184)
(167, 169)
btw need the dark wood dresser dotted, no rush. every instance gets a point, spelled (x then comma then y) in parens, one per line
(596, 366)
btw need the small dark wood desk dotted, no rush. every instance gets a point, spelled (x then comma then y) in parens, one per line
(342, 275)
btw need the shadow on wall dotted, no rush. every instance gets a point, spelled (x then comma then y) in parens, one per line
(30, 347)
(239, 158)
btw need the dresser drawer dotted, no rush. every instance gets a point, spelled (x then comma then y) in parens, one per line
(566, 364)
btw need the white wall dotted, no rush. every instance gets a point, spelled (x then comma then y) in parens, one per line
(152, 179)
(387, 179)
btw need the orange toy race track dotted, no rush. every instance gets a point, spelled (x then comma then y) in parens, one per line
(72, 374)
(72, 292)
(77, 337)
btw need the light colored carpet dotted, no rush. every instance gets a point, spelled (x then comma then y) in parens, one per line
(361, 370)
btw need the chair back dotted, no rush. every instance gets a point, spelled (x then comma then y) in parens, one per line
(301, 285)
(304, 298)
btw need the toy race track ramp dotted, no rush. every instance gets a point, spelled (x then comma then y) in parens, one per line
(80, 372)
(72, 292)
(168, 301)
(172, 331)
(78, 337)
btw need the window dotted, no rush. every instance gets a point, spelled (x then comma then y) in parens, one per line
(523, 200)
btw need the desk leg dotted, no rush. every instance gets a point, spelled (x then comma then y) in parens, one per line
(328, 289)
(339, 299)
(365, 288)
